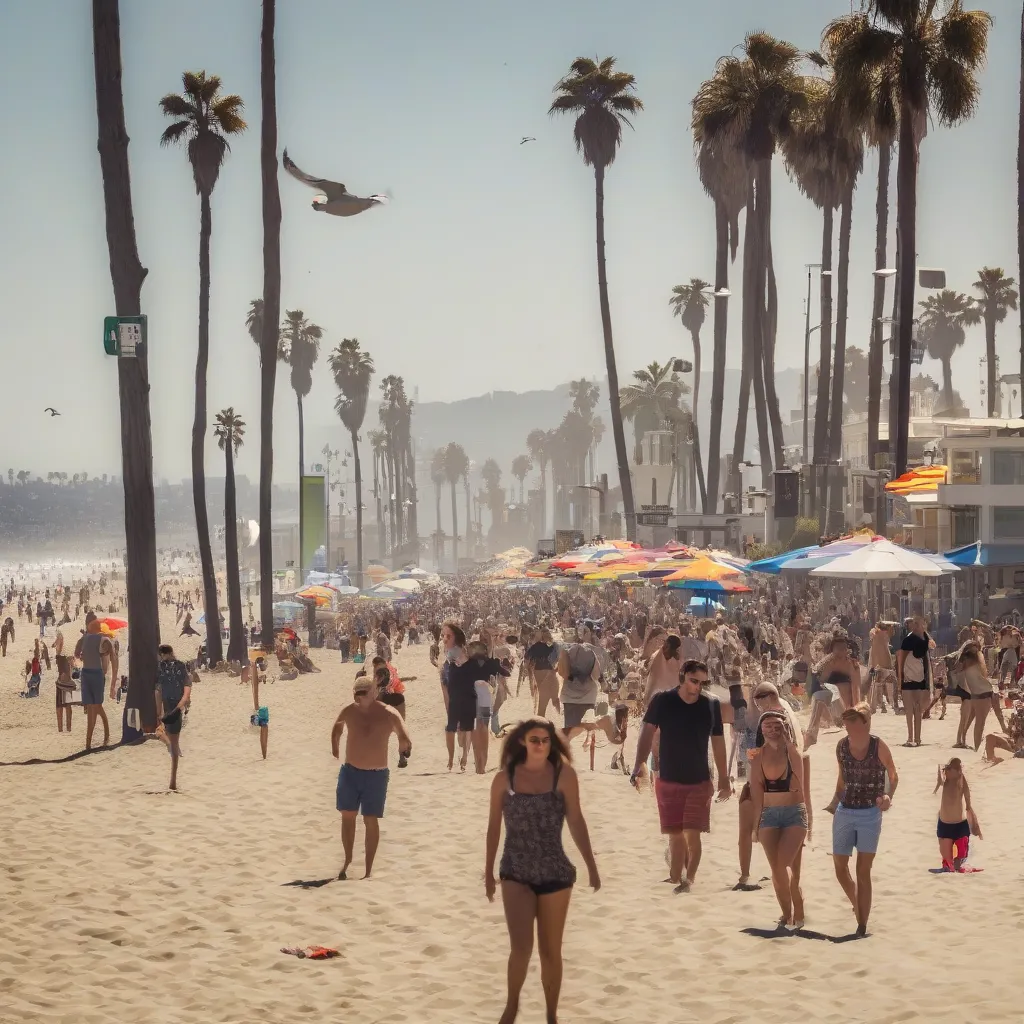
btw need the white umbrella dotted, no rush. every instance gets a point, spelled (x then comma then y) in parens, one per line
(410, 586)
(879, 560)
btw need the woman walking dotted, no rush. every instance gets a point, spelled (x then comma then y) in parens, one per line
(858, 804)
(913, 670)
(535, 791)
(780, 812)
(975, 680)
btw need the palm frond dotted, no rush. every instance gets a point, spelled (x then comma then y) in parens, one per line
(174, 105)
(174, 132)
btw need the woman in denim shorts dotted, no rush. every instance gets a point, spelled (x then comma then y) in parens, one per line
(861, 798)
(780, 812)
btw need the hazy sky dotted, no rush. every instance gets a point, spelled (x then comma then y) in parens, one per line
(480, 275)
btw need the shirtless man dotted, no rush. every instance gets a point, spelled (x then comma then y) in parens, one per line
(363, 779)
(96, 653)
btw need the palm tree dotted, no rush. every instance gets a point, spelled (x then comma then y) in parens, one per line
(456, 467)
(437, 478)
(750, 102)
(689, 302)
(127, 274)
(602, 99)
(301, 340)
(229, 429)
(204, 119)
(352, 369)
(997, 297)
(378, 448)
(651, 400)
(270, 339)
(724, 172)
(521, 465)
(943, 319)
(930, 61)
(874, 116)
(536, 445)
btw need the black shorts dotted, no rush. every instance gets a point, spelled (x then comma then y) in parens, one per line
(172, 722)
(952, 830)
(461, 718)
(394, 700)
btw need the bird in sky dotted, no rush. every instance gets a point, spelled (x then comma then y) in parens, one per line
(53, 412)
(336, 199)
(527, 138)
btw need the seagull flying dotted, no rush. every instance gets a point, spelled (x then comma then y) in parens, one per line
(53, 412)
(336, 199)
(527, 138)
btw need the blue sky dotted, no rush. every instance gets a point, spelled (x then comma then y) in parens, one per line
(480, 274)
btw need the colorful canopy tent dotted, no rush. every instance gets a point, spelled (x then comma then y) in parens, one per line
(323, 596)
(879, 560)
(984, 555)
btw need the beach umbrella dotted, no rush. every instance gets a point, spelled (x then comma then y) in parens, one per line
(722, 586)
(323, 596)
(703, 569)
(879, 560)
(112, 622)
(347, 591)
(409, 586)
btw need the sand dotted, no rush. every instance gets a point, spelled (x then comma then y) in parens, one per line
(122, 902)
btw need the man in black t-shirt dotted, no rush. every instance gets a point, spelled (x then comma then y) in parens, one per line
(687, 719)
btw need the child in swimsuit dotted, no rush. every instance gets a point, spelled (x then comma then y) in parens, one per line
(957, 820)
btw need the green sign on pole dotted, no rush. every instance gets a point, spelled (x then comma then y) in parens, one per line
(124, 336)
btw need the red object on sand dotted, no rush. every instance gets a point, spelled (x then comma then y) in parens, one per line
(112, 622)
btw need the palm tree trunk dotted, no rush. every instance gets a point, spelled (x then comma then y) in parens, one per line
(947, 384)
(695, 336)
(469, 517)
(354, 437)
(821, 400)
(768, 317)
(214, 647)
(835, 426)
(621, 455)
(127, 275)
(990, 358)
(302, 502)
(455, 531)
(906, 192)
(718, 353)
(757, 337)
(746, 350)
(237, 648)
(543, 498)
(437, 526)
(878, 300)
(271, 313)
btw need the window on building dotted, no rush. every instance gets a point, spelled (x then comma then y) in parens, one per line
(964, 466)
(1008, 467)
(964, 526)
(1007, 523)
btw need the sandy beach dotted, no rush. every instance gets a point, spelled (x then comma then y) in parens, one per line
(123, 902)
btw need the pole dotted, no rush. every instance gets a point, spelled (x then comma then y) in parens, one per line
(807, 358)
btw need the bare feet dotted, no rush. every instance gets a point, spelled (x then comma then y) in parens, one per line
(343, 873)
(683, 886)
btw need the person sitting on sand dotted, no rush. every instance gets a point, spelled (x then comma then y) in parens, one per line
(1012, 738)
(363, 778)
(957, 820)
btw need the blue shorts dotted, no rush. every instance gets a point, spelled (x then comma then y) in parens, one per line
(362, 790)
(856, 827)
(786, 816)
(92, 685)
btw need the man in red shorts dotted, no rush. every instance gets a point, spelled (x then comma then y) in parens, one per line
(688, 719)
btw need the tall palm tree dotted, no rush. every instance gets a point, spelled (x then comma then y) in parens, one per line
(689, 302)
(270, 341)
(536, 445)
(437, 478)
(1020, 191)
(352, 369)
(302, 349)
(943, 319)
(378, 440)
(521, 465)
(929, 58)
(127, 275)
(996, 297)
(877, 99)
(602, 99)
(724, 172)
(750, 102)
(229, 429)
(456, 467)
(204, 120)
